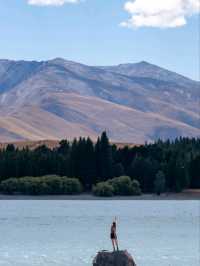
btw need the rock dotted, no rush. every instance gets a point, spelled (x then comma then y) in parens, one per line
(116, 258)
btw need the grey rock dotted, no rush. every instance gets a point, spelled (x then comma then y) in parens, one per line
(116, 258)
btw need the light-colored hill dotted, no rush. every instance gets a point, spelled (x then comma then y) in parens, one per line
(63, 99)
(74, 115)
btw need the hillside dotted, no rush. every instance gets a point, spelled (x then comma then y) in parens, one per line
(62, 99)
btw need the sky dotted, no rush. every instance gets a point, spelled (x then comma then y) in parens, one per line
(103, 32)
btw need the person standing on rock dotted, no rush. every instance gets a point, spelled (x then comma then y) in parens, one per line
(113, 235)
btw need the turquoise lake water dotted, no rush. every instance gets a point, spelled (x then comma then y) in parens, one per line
(69, 233)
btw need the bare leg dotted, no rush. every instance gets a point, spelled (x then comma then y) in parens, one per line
(116, 243)
(113, 243)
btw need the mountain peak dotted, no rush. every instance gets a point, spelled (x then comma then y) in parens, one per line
(143, 63)
(65, 62)
(134, 102)
(57, 59)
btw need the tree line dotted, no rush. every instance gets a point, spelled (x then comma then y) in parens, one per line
(161, 166)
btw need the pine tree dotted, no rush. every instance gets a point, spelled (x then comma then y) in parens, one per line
(159, 183)
(97, 153)
(106, 157)
(118, 170)
(90, 167)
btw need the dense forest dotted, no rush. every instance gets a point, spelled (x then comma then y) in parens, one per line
(160, 166)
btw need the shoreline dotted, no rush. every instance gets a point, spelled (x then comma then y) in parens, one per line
(185, 195)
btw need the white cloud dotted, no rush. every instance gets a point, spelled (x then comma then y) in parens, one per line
(160, 13)
(51, 2)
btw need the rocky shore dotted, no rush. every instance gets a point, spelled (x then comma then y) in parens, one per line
(185, 195)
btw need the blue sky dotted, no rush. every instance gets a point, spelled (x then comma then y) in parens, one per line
(102, 32)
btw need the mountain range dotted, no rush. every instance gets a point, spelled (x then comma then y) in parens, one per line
(63, 99)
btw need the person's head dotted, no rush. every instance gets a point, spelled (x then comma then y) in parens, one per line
(114, 224)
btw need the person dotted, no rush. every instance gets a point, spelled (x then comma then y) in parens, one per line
(113, 234)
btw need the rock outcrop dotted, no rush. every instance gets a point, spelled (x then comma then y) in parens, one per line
(116, 258)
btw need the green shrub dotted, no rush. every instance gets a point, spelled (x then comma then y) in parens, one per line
(29, 186)
(124, 186)
(9, 186)
(136, 188)
(45, 185)
(52, 184)
(103, 189)
(71, 186)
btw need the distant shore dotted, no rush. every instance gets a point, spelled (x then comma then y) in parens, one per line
(185, 195)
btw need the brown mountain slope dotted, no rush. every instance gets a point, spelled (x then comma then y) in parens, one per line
(72, 115)
(58, 98)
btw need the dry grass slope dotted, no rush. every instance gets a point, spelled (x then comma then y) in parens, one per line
(60, 99)
(74, 115)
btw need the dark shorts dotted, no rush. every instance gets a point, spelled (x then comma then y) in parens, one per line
(112, 236)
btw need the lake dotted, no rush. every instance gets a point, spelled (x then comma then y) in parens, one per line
(69, 233)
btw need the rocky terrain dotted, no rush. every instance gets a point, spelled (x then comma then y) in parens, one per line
(116, 258)
(62, 99)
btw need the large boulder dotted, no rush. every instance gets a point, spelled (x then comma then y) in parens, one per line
(116, 258)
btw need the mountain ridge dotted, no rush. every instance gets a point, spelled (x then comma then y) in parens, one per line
(56, 59)
(166, 103)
